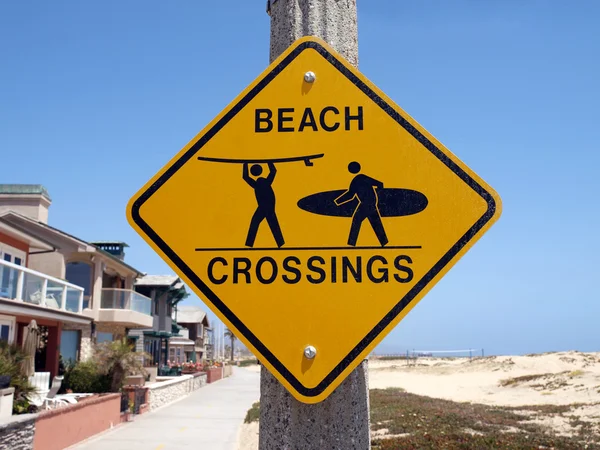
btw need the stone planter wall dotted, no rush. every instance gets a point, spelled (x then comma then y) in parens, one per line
(17, 432)
(227, 371)
(168, 391)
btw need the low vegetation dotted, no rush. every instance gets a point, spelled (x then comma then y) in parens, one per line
(400, 420)
(253, 413)
(248, 362)
(12, 358)
(429, 423)
(106, 372)
(85, 377)
(524, 379)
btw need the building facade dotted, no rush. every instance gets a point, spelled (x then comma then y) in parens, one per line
(165, 292)
(78, 292)
(195, 321)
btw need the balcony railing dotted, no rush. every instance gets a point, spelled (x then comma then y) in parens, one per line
(29, 286)
(126, 299)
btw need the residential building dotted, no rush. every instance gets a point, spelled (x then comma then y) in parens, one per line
(195, 321)
(165, 291)
(79, 292)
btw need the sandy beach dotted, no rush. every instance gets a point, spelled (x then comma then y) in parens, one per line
(563, 378)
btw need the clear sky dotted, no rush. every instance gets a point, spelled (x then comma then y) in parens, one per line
(95, 97)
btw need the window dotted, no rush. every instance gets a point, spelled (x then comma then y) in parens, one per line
(8, 275)
(103, 337)
(7, 328)
(69, 346)
(80, 274)
(156, 313)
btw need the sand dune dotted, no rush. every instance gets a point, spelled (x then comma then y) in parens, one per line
(551, 378)
(564, 378)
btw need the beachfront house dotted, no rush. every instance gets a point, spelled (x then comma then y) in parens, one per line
(165, 292)
(77, 291)
(199, 334)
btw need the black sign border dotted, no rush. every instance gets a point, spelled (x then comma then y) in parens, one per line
(399, 307)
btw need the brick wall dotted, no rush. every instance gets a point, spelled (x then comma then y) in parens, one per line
(214, 374)
(63, 427)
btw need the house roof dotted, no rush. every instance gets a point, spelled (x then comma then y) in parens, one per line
(19, 219)
(24, 189)
(159, 280)
(36, 243)
(190, 314)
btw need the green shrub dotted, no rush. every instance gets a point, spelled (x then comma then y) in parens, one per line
(86, 377)
(248, 362)
(253, 414)
(11, 364)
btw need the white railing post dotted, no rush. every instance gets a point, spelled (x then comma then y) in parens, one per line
(20, 282)
(80, 306)
(63, 299)
(44, 290)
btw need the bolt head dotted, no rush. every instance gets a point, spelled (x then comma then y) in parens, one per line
(310, 352)
(310, 77)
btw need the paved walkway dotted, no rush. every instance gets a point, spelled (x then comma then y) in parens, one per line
(207, 419)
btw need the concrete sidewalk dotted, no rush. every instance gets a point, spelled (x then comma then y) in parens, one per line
(207, 419)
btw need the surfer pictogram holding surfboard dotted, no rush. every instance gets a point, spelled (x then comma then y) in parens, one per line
(364, 189)
(263, 191)
(265, 197)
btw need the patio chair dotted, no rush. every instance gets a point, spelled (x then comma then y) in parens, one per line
(41, 382)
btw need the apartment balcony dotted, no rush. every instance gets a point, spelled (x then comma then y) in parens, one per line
(40, 293)
(125, 307)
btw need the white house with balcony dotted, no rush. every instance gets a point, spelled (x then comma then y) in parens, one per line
(79, 292)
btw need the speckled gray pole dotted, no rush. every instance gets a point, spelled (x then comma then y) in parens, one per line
(334, 21)
(341, 422)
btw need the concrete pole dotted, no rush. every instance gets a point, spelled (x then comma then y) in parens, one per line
(341, 422)
(334, 21)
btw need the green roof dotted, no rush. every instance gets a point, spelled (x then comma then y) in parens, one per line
(24, 189)
(122, 244)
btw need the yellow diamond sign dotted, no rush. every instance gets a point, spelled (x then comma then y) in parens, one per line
(311, 215)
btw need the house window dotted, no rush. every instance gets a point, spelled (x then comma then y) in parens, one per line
(103, 337)
(8, 275)
(7, 329)
(69, 346)
(156, 313)
(80, 274)
(172, 354)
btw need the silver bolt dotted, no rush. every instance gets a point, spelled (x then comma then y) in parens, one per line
(310, 77)
(310, 352)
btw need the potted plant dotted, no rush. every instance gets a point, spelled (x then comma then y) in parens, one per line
(4, 381)
(130, 412)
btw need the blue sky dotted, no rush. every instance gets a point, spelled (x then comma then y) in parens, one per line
(95, 97)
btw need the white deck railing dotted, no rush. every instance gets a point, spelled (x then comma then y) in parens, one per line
(30, 286)
(126, 299)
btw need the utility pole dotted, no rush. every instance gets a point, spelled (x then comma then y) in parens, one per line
(342, 420)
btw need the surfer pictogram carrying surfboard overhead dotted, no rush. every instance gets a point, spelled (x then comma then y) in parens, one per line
(364, 189)
(263, 191)
(265, 197)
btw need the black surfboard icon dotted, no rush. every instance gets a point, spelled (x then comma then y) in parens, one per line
(308, 160)
(392, 202)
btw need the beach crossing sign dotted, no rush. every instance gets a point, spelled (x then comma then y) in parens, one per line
(311, 216)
